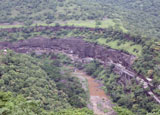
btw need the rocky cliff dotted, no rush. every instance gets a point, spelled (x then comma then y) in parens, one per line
(82, 49)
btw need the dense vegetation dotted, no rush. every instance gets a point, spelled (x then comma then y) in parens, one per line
(146, 49)
(125, 92)
(47, 11)
(137, 16)
(141, 16)
(40, 79)
(112, 38)
(11, 105)
(146, 64)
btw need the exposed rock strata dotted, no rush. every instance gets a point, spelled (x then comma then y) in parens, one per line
(82, 49)
(72, 46)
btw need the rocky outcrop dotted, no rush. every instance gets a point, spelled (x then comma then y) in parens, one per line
(72, 46)
(82, 49)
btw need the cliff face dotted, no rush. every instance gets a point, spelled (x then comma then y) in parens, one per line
(81, 49)
(72, 46)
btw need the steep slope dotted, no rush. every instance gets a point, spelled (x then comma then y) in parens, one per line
(138, 17)
(10, 105)
(120, 79)
(40, 80)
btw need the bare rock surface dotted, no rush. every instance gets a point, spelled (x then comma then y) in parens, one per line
(80, 49)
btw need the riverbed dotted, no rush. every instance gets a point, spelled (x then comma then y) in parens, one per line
(99, 101)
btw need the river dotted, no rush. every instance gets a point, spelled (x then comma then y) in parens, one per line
(100, 103)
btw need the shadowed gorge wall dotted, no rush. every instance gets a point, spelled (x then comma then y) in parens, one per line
(82, 49)
(72, 46)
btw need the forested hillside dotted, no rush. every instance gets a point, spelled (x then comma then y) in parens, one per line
(41, 83)
(138, 17)
(145, 64)
(41, 80)
(11, 105)
(128, 95)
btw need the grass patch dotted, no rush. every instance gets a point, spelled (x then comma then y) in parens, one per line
(91, 23)
(11, 26)
(80, 23)
(128, 46)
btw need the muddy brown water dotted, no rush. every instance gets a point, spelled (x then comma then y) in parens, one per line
(100, 102)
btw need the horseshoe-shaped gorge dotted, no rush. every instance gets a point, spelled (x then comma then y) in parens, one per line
(81, 49)
(79, 57)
